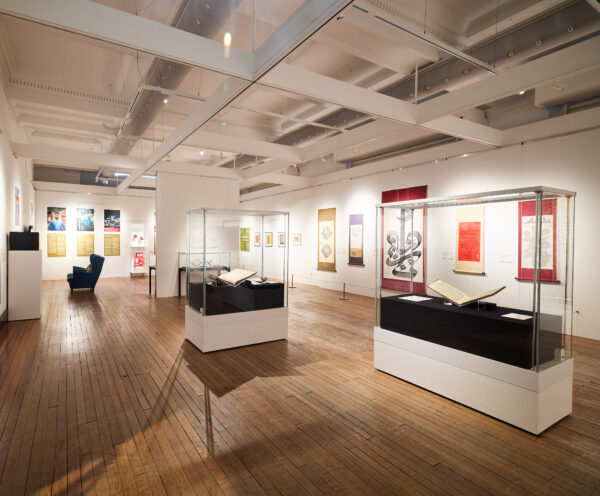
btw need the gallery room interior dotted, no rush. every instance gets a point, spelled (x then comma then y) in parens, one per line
(285, 247)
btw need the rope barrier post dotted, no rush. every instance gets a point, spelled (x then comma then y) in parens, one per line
(292, 286)
(344, 298)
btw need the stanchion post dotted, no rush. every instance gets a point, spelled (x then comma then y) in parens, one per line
(344, 298)
(292, 286)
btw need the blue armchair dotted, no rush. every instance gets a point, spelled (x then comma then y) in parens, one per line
(80, 278)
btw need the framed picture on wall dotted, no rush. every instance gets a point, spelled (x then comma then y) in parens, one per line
(57, 218)
(256, 239)
(268, 239)
(296, 239)
(281, 239)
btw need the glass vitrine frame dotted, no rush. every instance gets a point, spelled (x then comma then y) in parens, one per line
(538, 194)
(202, 224)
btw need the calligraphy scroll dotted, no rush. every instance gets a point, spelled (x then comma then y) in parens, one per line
(326, 237)
(527, 225)
(469, 240)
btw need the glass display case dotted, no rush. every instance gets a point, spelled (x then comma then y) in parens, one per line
(224, 241)
(481, 282)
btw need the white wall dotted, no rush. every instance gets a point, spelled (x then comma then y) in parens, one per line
(13, 173)
(133, 209)
(569, 162)
(176, 194)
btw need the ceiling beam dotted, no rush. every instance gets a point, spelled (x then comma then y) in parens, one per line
(567, 62)
(54, 155)
(247, 146)
(306, 83)
(227, 91)
(313, 85)
(595, 4)
(115, 26)
(288, 179)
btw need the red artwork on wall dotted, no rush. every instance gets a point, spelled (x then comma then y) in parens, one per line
(527, 229)
(138, 261)
(469, 241)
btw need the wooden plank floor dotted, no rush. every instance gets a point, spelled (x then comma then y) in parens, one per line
(104, 396)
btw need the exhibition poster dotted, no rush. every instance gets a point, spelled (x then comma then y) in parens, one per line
(403, 242)
(244, 239)
(470, 236)
(281, 239)
(85, 219)
(112, 221)
(138, 260)
(527, 225)
(356, 240)
(57, 245)
(85, 244)
(256, 239)
(112, 245)
(326, 237)
(296, 239)
(57, 218)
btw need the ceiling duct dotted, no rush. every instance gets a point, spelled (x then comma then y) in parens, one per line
(201, 17)
(534, 39)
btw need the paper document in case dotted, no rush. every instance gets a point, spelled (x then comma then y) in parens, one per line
(457, 296)
(236, 276)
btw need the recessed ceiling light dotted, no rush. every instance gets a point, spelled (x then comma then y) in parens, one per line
(522, 92)
(227, 39)
(201, 152)
(166, 100)
(465, 155)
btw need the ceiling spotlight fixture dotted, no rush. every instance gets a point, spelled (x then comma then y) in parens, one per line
(201, 152)
(340, 17)
(165, 100)
(227, 39)
(466, 71)
(148, 176)
(427, 87)
(522, 92)
(223, 123)
(538, 42)
(570, 29)
(120, 174)
(464, 155)
(510, 53)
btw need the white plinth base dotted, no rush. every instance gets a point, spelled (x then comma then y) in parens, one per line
(530, 400)
(219, 332)
(24, 284)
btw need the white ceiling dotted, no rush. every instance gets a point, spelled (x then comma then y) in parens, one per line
(73, 92)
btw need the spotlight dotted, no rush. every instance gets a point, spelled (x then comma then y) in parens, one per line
(166, 100)
(522, 92)
(227, 39)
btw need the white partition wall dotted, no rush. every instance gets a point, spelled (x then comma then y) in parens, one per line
(176, 194)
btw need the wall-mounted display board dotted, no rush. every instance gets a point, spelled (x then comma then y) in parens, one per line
(57, 245)
(85, 244)
(112, 221)
(403, 241)
(85, 219)
(326, 236)
(470, 236)
(355, 241)
(244, 239)
(112, 245)
(57, 218)
(527, 223)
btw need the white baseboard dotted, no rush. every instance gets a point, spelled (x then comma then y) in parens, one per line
(219, 332)
(527, 399)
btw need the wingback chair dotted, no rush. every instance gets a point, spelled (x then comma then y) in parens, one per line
(80, 278)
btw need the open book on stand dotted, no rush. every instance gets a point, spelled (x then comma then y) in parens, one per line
(456, 296)
(235, 277)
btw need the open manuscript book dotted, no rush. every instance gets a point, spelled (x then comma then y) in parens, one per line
(235, 277)
(456, 296)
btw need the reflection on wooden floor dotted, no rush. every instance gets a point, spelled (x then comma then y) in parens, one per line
(104, 396)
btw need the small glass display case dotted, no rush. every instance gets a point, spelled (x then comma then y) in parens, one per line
(234, 267)
(474, 300)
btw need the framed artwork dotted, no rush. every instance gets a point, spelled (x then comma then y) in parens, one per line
(268, 239)
(56, 245)
(256, 239)
(403, 242)
(85, 219)
(112, 221)
(527, 225)
(326, 237)
(296, 239)
(17, 206)
(112, 245)
(281, 239)
(138, 260)
(85, 244)
(470, 236)
(244, 239)
(355, 241)
(57, 218)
